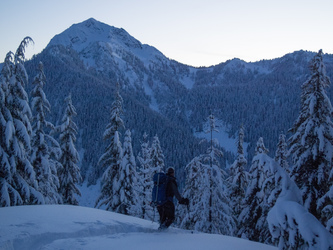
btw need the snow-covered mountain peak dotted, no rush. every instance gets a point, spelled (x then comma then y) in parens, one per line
(81, 35)
(100, 44)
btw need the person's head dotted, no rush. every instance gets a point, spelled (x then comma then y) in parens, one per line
(171, 171)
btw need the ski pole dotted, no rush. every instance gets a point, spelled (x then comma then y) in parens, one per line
(153, 216)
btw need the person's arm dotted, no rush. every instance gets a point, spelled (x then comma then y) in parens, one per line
(175, 191)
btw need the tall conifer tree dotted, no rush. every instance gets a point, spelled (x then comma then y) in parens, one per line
(19, 128)
(145, 178)
(282, 153)
(252, 220)
(8, 194)
(45, 149)
(69, 174)
(238, 178)
(197, 188)
(206, 185)
(127, 178)
(112, 158)
(311, 144)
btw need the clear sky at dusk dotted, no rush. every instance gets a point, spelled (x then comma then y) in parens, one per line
(198, 33)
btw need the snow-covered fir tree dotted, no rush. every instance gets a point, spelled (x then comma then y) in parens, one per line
(127, 181)
(311, 144)
(111, 160)
(220, 219)
(209, 210)
(288, 219)
(196, 188)
(275, 174)
(252, 219)
(45, 149)
(276, 178)
(276, 182)
(145, 179)
(69, 174)
(18, 129)
(281, 153)
(206, 185)
(157, 156)
(238, 178)
(8, 194)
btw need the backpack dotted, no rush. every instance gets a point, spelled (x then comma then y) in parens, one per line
(159, 189)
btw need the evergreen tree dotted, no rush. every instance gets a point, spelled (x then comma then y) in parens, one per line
(210, 158)
(69, 174)
(127, 179)
(8, 194)
(145, 179)
(112, 158)
(19, 129)
(238, 178)
(276, 174)
(281, 153)
(209, 209)
(206, 182)
(196, 187)
(289, 220)
(156, 156)
(252, 220)
(312, 140)
(43, 144)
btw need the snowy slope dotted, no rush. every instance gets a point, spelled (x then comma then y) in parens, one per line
(223, 138)
(71, 227)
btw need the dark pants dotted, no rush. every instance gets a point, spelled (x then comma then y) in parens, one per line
(167, 213)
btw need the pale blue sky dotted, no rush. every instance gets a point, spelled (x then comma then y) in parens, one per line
(198, 33)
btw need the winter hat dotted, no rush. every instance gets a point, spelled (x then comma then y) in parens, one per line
(171, 171)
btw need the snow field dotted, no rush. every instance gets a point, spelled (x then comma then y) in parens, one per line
(74, 227)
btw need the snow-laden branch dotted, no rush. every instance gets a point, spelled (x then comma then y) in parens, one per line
(293, 227)
(290, 224)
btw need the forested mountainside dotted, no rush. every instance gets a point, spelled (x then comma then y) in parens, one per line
(163, 97)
